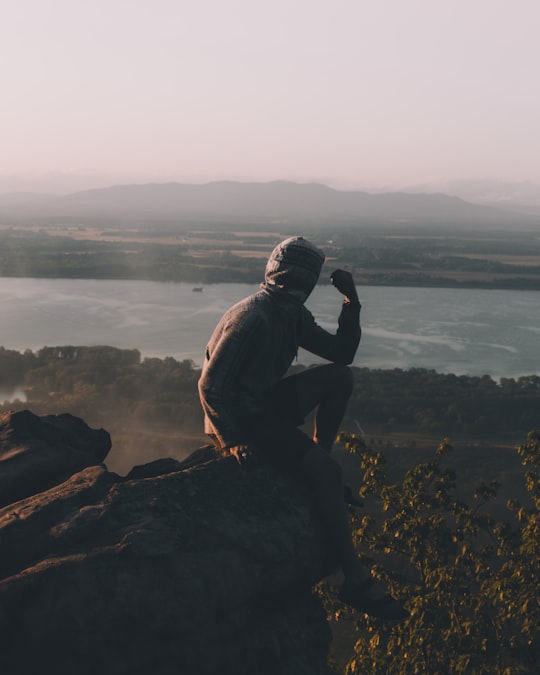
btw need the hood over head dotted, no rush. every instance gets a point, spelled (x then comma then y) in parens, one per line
(294, 267)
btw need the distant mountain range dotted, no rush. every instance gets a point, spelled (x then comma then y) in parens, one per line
(235, 203)
(520, 197)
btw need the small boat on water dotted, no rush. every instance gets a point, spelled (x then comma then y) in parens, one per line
(197, 289)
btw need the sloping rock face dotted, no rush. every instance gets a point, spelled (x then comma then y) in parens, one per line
(201, 570)
(39, 452)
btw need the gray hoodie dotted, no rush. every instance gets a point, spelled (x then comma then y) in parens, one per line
(257, 339)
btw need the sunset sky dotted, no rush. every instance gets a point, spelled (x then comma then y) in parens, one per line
(352, 93)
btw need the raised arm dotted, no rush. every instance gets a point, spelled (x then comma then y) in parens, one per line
(339, 347)
(344, 282)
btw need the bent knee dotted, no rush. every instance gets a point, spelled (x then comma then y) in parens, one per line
(344, 378)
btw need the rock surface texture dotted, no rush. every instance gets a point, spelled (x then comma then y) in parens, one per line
(39, 452)
(185, 568)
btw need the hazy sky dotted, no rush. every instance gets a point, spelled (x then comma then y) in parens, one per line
(353, 93)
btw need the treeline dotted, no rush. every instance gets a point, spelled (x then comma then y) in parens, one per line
(98, 382)
(162, 391)
(40, 255)
(121, 391)
(221, 257)
(149, 406)
(455, 260)
(420, 400)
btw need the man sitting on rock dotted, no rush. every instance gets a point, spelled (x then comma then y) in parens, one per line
(251, 408)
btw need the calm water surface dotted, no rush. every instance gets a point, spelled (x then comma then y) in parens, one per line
(472, 332)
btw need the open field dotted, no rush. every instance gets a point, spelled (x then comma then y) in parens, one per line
(484, 260)
(507, 259)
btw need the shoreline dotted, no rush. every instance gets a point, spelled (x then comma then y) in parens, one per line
(513, 284)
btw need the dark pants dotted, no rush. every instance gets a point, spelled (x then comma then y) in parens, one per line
(275, 431)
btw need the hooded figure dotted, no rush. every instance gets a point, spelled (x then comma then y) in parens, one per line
(251, 408)
(294, 267)
(257, 339)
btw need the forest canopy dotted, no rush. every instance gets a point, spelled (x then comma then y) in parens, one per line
(155, 399)
(376, 256)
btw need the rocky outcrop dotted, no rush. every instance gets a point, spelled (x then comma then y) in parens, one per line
(39, 452)
(178, 568)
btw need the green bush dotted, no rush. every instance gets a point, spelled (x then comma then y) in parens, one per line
(471, 583)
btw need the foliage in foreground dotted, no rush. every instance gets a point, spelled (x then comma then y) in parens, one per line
(471, 584)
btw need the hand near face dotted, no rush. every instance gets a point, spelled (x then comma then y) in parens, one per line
(344, 283)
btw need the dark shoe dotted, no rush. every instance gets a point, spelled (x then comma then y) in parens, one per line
(349, 498)
(382, 607)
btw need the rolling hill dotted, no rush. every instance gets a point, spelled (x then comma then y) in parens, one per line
(242, 204)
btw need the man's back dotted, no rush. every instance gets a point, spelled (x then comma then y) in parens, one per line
(250, 350)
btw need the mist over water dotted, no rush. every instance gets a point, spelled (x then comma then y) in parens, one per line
(463, 331)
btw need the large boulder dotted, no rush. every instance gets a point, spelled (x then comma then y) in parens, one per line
(39, 452)
(178, 569)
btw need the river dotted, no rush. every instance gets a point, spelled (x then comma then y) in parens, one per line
(474, 332)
